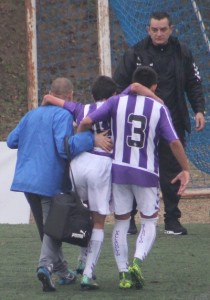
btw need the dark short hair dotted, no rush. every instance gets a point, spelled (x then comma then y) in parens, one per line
(103, 88)
(159, 15)
(145, 75)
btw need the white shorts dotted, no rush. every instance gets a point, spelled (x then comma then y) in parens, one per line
(147, 199)
(92, 176)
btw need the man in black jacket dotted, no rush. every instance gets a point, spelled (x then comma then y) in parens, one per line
(177, 75)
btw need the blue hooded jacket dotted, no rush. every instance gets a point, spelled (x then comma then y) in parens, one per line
(41, 156)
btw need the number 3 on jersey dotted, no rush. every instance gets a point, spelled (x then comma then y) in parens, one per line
(137, 138)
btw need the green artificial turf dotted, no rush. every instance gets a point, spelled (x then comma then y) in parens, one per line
(177, 268)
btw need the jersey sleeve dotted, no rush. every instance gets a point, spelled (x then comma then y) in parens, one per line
(127, 90)
(103, 113)
(167, 130)
(74, 108)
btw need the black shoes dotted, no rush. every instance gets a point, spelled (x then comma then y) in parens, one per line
(132, 229)
(174, 227)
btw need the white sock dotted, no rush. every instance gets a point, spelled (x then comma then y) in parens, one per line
(120, 245)
(146, 237)
(94, 250)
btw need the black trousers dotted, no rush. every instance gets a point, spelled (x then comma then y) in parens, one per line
(168, 168)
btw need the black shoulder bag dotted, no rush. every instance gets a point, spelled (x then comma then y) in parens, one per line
(69, 220)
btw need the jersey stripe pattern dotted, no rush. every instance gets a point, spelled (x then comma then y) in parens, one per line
(98, 127)
(80, 111)
(137, 124)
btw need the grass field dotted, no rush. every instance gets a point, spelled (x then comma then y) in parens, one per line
(177, 268)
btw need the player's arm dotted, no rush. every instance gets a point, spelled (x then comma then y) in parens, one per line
(103, 113)
(184, 176)
(50, 99)
(167, 131)
(85, 124)
(101, 139)
(144, 91)
(71, 106)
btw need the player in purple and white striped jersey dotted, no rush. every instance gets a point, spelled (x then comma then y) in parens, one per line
(137, 124)
(92, 176)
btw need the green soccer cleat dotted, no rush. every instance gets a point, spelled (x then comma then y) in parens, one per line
(88, 283)
(136, 274)
(80, 267)
(125, 280)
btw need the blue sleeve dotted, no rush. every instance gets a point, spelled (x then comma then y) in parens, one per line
(80, 142)
(13, 137)
(62, 126)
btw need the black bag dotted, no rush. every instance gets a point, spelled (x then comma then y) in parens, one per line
(69, 220)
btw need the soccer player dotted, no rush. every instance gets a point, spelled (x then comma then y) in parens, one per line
(137, 125)
(92, 172)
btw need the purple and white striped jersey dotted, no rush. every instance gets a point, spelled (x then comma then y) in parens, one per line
(137, 124)
(79, 111)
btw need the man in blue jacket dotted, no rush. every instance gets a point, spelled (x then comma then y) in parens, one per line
(40, 171)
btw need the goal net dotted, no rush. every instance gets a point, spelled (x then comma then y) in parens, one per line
(192, 26)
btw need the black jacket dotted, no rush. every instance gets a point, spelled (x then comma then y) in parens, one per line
(187, 75)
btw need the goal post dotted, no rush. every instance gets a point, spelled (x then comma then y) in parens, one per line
(32, 80)
(105, 67)
(104, 50)
(202, 25)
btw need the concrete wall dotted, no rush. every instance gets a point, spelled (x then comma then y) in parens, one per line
(14, 208)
